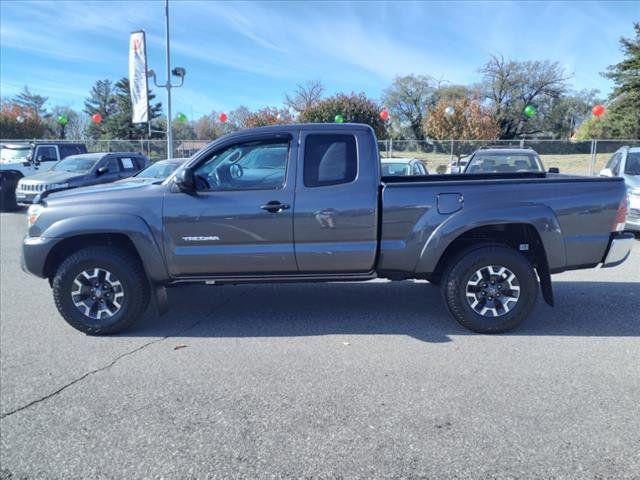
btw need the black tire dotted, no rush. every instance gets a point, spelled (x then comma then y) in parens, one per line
(8, 194)
(124, 267)
(462, 271)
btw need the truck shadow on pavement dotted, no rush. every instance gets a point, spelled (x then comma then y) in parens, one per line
(378, 308)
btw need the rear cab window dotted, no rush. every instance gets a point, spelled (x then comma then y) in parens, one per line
(330, 159)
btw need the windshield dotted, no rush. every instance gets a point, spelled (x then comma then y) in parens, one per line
(503, 162)
(14, 154)
(399, 169)
(76, 164)
(158, 170)
(633, 164)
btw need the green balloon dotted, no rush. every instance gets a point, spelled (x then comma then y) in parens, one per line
(181, 117)
(63, 120)
(339, 119)
(529, 111)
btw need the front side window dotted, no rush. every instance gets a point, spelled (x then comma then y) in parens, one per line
(257, 165)
(46, 154)
(330, 160)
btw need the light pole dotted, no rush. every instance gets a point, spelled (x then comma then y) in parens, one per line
(177, 72)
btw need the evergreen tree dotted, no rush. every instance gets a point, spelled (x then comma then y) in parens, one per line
(31, 102)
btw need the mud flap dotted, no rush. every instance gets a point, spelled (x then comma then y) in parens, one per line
(161, 299)
(545, 284)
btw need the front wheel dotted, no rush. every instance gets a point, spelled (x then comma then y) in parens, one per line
(8, 193)
(101, 290)
(490, 289)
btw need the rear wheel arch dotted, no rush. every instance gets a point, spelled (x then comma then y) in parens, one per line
(521, 237)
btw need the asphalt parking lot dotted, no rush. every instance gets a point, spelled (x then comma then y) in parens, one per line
(364, 380)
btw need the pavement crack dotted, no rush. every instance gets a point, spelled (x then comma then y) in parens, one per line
(206, 316)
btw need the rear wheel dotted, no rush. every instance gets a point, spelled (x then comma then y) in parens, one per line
(101, 290)
(490, 289)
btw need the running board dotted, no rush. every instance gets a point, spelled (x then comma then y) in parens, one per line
(285, 278)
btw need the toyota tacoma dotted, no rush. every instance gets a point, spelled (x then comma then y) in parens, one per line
(307, 203)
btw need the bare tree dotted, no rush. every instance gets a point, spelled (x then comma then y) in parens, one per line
(408, 99)
(511, 85)
(304, 96)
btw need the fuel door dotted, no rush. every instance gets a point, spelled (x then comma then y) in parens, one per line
(450, 203)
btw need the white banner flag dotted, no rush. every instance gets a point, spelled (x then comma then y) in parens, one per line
(138, 84)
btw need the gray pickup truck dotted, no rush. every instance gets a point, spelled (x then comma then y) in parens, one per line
(306, 203)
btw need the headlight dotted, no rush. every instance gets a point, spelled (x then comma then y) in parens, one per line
(33, 213)
(54, 186)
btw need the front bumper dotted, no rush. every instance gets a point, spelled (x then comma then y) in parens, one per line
(633, 219)
(26, 197)
(35, 251)
(619, 249)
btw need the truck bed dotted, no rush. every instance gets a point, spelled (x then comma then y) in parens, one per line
(571, 214)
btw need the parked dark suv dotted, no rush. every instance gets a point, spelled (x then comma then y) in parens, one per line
(80, 171)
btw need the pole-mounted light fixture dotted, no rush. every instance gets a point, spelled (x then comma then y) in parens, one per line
(177, 72)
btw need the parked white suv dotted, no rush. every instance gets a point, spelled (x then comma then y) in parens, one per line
(625, 163)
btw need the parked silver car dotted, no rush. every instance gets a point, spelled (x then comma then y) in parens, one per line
(625, 163)
(402, 167)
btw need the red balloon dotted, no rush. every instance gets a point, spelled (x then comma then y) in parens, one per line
(598, 110)
(223, 117)
(384, 115)
(96, 117)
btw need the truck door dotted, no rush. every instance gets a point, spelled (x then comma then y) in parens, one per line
(240, 219)
(336, 210)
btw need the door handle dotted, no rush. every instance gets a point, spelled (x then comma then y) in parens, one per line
(274, 206)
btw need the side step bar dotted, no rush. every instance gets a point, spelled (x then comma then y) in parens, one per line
(284, 278)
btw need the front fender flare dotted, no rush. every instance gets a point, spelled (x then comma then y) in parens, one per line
(134, 227)
(540, 217)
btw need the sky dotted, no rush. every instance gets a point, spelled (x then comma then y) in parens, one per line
(251, 53)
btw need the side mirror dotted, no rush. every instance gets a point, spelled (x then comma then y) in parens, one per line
(185, 180)
(102, 171)
(606, 172)
(554, 170)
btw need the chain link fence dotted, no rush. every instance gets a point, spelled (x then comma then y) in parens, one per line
(586, 157)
